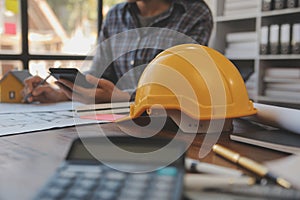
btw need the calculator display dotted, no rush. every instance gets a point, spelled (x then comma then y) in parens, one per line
(91, 148)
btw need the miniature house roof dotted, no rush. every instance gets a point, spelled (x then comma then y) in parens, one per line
(20, 75)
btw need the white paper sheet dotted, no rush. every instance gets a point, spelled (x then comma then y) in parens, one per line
(280, 117)
(287, 168)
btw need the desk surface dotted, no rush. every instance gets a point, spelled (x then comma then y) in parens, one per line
(28, 160)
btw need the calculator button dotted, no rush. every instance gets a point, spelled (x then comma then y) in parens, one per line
(139, 177)
(104, 195)
(45, 198)
(114, 175)
(162, 186)
(167, 171)
(165, 179)
(160, 194)
(133, 182)
(112, 185)
(78, 193)
(136, 185)
(67, 174)
(157, 197)
(62, 182)
(157, 191)
(54, 192)
(128, 198)
(85, 184)
(131, 192)
(84, 168)
(89, 175)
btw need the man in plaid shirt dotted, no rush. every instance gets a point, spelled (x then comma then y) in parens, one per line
(133, 33)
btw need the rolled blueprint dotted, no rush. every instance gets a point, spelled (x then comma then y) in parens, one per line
(280, 117)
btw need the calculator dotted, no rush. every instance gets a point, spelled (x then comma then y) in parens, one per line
(83, 176)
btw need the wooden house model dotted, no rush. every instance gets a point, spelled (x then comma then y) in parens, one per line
(11, 86)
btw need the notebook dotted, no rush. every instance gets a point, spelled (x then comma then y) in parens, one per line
(279, 140)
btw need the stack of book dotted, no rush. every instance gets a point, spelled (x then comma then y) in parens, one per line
(282, 82)
(280, 39)
(241, 45)
(251, 87)
(273, 127)
(240, 7)
(280, 140)
(268, 5)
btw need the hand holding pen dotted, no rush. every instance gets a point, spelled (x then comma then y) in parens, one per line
(28, 95)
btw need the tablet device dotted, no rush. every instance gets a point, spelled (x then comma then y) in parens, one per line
(71, 74)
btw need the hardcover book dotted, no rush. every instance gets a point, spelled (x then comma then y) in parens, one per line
(279, 140)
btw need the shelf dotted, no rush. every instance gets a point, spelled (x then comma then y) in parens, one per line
(236, 17)
(281, 80)
(287, 11)
(278, 100)
(245, 58)
(254, 62)
(280, 57)
(242, 59)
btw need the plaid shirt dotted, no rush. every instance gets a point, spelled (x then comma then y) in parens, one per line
(125, 48)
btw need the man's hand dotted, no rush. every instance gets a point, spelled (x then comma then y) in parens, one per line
(41, 93)
(104, 91)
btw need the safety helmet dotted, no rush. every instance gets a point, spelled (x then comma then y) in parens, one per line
(194, 81)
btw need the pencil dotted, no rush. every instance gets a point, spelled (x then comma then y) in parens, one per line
(25, 99)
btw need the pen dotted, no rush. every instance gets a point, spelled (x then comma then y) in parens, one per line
(249, 164)
(40, 83)
(201, 167)
(258, 191)
(200, 181)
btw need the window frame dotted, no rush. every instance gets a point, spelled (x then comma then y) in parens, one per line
(25, 57)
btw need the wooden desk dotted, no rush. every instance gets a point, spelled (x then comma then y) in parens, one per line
(28, 160)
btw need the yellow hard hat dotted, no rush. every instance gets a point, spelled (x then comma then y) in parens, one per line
(195, 80)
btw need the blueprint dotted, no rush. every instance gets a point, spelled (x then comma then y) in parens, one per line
(23, 118)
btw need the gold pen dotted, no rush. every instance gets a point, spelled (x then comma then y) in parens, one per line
(249, 164)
